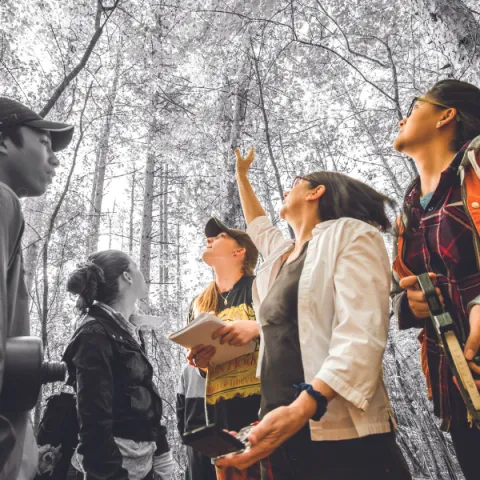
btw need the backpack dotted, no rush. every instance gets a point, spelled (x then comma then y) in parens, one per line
(57, 436)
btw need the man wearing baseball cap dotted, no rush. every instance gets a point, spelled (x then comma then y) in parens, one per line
(27, 166)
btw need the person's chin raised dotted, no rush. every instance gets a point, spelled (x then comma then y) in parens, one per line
(206, 255)
(398, 144)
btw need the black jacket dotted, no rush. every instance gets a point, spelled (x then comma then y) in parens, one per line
(116, 396)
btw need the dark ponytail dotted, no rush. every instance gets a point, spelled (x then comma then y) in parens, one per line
(97, 278)
(465, 97)
(346, 197)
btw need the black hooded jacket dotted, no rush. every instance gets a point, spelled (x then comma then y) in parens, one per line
(116, 396)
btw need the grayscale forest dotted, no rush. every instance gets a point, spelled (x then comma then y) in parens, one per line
(162, 91)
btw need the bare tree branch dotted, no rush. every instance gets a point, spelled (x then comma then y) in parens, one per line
(68, 79)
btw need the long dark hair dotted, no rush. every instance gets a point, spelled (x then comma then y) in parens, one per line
(346, 197)
(97, 278)
(465, 98)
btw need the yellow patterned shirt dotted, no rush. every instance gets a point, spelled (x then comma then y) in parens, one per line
(231, 382)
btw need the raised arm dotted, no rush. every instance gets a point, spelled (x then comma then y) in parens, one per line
(250, 204)
(265, 236)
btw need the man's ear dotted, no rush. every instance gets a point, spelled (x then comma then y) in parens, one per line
(239, 251)
(317, 193)
(3, 146)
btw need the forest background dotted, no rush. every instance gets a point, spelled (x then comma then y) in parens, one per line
(161, 92)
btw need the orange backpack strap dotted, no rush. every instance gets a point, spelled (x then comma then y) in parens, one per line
(472, 198)
(469, 171)
(399, 266)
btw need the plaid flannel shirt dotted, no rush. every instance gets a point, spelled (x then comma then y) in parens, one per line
(441, 242)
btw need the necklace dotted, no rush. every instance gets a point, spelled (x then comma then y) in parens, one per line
(225, 299)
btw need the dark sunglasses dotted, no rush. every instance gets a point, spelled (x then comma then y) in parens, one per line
(423, 99)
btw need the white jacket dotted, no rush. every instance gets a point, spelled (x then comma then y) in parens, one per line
(343, 315)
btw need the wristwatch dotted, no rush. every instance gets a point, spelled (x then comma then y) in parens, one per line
(321, 400)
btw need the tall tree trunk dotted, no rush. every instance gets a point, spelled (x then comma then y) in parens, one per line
(101, 163)
(33, 243)
(456, 33)
(232, 210)
(132, 211)
(179, 309)
(147, 221)
(266, 125)
(163, 256)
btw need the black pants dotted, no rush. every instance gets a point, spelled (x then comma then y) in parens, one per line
(199, 467)
(375, 457)
(466, 441)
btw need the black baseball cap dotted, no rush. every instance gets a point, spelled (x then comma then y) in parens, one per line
(215, 226)
(15, 114)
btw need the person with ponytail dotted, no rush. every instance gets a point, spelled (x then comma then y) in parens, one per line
(438, 233)
(322, 301)
(119, 409)
(232, 396)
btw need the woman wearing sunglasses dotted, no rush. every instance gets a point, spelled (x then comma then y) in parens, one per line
(438, 233)
(322, 303)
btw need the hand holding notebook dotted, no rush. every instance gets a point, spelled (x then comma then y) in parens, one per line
(200, 331)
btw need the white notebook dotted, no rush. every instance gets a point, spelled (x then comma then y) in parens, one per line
(200, 332)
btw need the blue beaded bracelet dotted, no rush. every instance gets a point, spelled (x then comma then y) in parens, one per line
(321, 400)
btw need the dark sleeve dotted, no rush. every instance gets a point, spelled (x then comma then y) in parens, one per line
(190, 318)
(401, 308)
(11, 227)
(181, 405)
(92, 358)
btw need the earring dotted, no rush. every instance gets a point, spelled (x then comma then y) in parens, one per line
(438, 124)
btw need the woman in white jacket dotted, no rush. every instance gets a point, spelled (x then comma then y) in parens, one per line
(323, 305)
